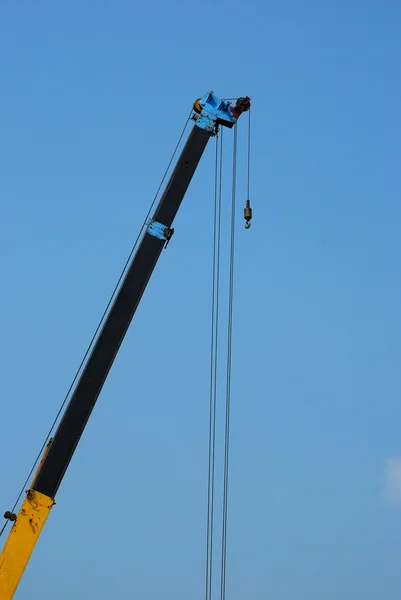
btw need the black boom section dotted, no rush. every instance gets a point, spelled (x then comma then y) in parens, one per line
(117, 322)
(181, 176)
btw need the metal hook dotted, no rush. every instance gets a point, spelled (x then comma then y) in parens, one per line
(248, 214)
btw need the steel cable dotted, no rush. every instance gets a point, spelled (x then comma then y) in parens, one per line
(228, 378)
(214, 361)
(100, 323)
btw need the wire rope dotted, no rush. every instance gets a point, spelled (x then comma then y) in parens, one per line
(214, 360)
(228, 377)
(89, 348)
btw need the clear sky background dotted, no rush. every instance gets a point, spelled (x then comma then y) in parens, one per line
(93, 98)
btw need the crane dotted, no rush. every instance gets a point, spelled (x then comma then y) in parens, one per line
(209, 113)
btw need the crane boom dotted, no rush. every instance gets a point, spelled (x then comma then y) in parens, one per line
(116, 325)
(209, 113)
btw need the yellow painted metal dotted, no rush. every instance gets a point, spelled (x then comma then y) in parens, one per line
(46, 450)
(21, 541)
(23, 536)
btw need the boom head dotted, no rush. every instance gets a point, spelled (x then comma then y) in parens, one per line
(211, 111)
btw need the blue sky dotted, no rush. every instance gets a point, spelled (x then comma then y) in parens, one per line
(94, 96)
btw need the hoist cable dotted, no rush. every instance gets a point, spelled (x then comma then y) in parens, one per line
(212, 406)
(89, 348)
(249, 157)
(228, 377)
(214, 361)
